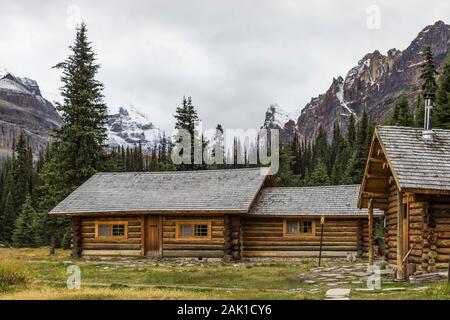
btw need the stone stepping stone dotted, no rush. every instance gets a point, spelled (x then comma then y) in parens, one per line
(337, 294)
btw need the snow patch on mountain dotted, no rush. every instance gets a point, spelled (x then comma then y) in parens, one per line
(276, 117)
(129, 128)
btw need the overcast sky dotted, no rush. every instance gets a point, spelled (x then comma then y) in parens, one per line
(234, 58)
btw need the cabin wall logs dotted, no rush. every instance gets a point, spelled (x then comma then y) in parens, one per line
(428, 224)
(204, 248)
(263, 237)
(131, 246)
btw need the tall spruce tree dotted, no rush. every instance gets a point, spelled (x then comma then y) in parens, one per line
(23, 172)
(187, 119)
(81, 139)
(77, 151)
(441, 112)
(428, 72)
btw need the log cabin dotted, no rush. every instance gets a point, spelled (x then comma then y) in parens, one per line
(407, 175)
(226, 214)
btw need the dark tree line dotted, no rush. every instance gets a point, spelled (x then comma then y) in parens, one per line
(322, 162)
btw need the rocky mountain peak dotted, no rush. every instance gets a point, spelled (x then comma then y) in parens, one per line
(374, 83)
(129, 128)
(24, 109)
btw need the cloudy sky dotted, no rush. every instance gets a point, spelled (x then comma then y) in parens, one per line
(234, 58)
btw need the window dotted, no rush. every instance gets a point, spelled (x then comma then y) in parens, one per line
(111, 229)
(193, 230)
(299, 227)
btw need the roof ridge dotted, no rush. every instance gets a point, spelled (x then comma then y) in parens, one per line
(175, 171)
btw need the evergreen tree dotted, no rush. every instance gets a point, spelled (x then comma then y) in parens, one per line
(24, 232)
(81, 139)
(187, 119)
(319, 176)
(285, 176)
(78, 145)
(7, 219)
(441, 112)
(428, 72)
(401, 115)
(351, 130)
(23, 170)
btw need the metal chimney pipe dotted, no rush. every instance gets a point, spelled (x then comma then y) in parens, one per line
(427, 133)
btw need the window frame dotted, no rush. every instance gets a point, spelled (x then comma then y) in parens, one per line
(179, 223)
(111, 223)
(299, 234)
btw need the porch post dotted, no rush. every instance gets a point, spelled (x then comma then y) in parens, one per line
(371, 254)
(400, 213)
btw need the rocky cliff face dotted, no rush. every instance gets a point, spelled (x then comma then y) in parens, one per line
(129, 127)
(22, 107)
(374, 83)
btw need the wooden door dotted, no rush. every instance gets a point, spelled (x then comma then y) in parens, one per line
(152, 235)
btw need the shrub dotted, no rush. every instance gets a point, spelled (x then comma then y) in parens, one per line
(12, 276)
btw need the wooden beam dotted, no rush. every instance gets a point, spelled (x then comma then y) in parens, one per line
(377, 176)
(376, 160)
(400, 271)
(367, 194)
(371, 254)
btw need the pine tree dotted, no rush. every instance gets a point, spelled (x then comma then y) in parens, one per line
(351, 130)
(319, 176)
(428, 72)
(187, 119)
(441, 112)
(81, 139)
(285, 176)
(77, 151)
(401, 115)
(23, 170)
(24, 232)
(7, 219)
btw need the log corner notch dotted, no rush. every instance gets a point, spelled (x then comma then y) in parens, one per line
(232, 236)
(76, 237)
(371, 232)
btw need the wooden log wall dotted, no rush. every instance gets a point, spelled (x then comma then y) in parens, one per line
(205, 248)
(428, 232)
(76, 237)
(131, 246)
(263, 237)
(439, 236)
(390, 230)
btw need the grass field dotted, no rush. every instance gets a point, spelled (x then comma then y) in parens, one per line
(33, 274)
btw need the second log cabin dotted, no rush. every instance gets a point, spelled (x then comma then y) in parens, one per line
(408, 176)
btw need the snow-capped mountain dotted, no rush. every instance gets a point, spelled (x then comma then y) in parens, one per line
(23, 108)
(129, 127)
(277, 118)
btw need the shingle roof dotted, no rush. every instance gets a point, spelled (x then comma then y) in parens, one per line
(417, 164)
(310, 201)
(180, 191)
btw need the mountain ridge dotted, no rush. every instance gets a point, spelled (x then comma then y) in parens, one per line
(373, 84)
